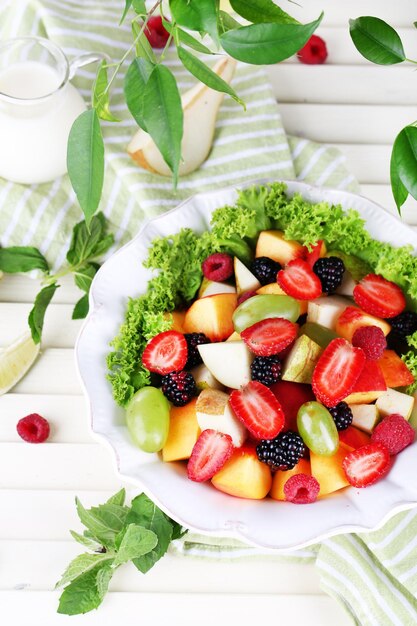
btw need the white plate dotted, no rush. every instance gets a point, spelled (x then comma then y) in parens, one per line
(267, 523)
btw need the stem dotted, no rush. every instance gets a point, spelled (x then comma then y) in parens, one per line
(168, 43)
(411, 61)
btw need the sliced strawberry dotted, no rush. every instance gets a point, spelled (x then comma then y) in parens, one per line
(211, 451)
(269, 336)
(165, 353)
(379, 297)
(337, 371)
(256, 406)
(299, 281)
(367, 464)
(317, 251)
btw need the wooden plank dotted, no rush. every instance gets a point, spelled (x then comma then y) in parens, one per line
(59, 331)
(349, 84)
(382, 194)
(57, 466)
(354, 123)
(369, 163)
(21, 288)
(184, 609)
(338, 13)
(67, 416)
(53, 372)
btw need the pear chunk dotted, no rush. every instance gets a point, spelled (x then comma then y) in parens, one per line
(245, 280)
(228, 361)
(213, 411)
(200, 105)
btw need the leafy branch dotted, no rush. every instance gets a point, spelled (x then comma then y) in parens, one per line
(88, 244)
(380, 43)
(151, 92)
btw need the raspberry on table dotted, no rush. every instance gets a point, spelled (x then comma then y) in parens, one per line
(218, 266)
(179, 387)
(283, 452)
(404, 324)
(372, 341)
(265, 269)
(330, 270)
(394, 432)
(33, 428)
(301, 489)
(266, 369)
(314, 52)
(342, 415)
(193, 340)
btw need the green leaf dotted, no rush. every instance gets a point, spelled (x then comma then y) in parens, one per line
(136, 542)
(204, 74)
(142, 46)
(89, 243)
(87, 542)
(118, 498)
(257, 11)
(178, 531)
(85, 161)
(81, 308)
(101, 102)
(163, 115)
(37, 314)
(86, 592)
(104, 521)
(186, 39)
(226, 22)
(139, 7)
(263, 44)
(136, 79)
(145, 513)
(404, 165)
(84, 276)
(376, 40)
(80, 565)
(22, 259)
(128, 4)
(200, 16)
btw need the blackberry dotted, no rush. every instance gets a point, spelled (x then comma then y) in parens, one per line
(342, 415)
(330, 270)
(281, 453)
(404, 324)
(265, 269)
(179, 387)
(266, 369)
(193, 340)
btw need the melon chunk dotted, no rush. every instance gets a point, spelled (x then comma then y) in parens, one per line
(394, 370)
(243, 475)
(353, 318)
(369, 386)
(183, 432)
(212, 316)
(281, 477)
(328, 470)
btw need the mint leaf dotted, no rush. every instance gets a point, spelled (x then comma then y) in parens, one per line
(22, 259)
(80, 565)
(101, 97)
(85, 161)
(88, 243)
(136, 542)
(81, 308)
(87, 542)
(86, 592)
(178, 531)
(104, 521)
(118, 498)
(83, 277)
(37, 314)
(145, 513)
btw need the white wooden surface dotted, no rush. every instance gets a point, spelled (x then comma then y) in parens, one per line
(348, 103)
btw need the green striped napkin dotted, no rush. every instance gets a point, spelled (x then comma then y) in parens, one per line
(373, 575)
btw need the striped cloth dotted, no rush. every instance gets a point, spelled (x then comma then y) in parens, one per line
(373, 575)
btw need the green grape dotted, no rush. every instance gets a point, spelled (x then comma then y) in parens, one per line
(320, 334)
(263, 307)
(317, 428)
(147, 418)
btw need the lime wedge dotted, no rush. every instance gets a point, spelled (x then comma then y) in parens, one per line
(15, 360)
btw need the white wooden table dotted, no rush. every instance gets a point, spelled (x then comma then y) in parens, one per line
(347, 102)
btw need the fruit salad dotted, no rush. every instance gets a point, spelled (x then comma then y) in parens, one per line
(281, 359)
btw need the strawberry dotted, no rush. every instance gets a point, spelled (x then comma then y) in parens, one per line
(269, 336)
(211, 451)
(337, 371)
(256, 406)
(315, 254)
(379, 297)
(367, 464)
(165, 353)
(299, 281)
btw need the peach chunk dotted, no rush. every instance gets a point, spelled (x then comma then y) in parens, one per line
(212, 316)
(244, 476)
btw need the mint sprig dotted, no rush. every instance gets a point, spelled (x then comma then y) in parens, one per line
(116, 534)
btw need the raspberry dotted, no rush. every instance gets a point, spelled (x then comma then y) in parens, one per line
(314, 52)
(394, 432)
(404, 324)
(155, 32)
(193, 340)
(301, 489)
(330, 270)
(265, 269)
(245, 296)
(266, 369)
(342, 415)
(179, 387)
(218, 266)
(283, 452)
(33, 428)
(372, 341)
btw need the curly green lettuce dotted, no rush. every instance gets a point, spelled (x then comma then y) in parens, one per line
(177, 260)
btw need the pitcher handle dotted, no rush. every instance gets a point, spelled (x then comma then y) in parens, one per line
(86, 59)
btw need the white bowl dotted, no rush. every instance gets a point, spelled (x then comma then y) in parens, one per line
(267, 523)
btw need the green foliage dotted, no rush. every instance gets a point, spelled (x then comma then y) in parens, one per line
(37, 314)
(376, 40)
(18, 259)
(257, 11)
(101, 98)
(200, 16)
(404, 165)
(136, 79)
